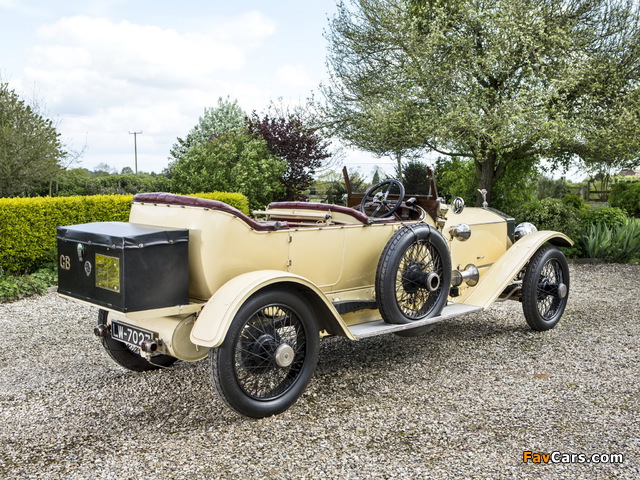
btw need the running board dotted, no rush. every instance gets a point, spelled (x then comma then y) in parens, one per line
(379, 327)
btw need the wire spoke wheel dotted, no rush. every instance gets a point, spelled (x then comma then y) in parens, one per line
(545, 288)
(413, 276)
(268, 356)
(547, 299)
(417, 283)
(261, 373)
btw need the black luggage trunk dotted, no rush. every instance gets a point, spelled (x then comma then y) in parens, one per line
(124, 266)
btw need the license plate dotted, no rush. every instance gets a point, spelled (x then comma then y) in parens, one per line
(130, 335)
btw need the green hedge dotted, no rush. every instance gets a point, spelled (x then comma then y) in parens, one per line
(28, 225)
(236, 200)
(608, 216)
(626, 196)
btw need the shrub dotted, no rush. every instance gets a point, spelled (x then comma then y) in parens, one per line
(549, 187)
(28, 225)
(415, 178)
(575, 201)
(608, 216)
(620, 243)
(626, 196)
(550, 214)
(236, 200)
(235, 163)
(13, 287)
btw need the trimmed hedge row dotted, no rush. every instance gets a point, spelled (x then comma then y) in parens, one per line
(28, 225)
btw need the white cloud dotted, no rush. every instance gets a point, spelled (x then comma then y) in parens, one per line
(295, 76)
(105, 78)
(144, 53)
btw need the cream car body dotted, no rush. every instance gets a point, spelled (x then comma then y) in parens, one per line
(330, 257)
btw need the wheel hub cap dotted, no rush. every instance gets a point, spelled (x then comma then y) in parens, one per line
(284, 355)
(562, 290)
(414, 278)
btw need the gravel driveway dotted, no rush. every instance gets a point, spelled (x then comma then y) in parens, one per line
(463, 402)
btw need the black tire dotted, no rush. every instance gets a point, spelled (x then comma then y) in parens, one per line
(128, 357)
(268, 356)
(413, 275)
(545, 288)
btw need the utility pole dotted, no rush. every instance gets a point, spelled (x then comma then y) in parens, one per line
(135, 146)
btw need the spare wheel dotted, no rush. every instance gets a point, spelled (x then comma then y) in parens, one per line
(413, 275)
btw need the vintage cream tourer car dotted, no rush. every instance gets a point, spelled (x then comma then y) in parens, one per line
(188, 278)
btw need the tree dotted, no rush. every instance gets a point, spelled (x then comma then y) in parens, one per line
(611, 141)
(231, 163)
(30, 149)
(502, 82)
(302, 148)
(225, 117)
(375, 179)
(104, 169)
(415, 175)
(331, 185)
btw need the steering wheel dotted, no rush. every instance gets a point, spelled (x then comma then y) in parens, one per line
(378, 194)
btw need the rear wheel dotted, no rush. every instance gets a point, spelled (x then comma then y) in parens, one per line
(268, 356)
(545, 288)
(129, 357)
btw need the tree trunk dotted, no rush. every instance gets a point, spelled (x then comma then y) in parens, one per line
(486, 175)
(399, 161)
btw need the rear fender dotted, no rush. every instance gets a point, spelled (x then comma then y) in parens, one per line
(216, 316)
(501, 273)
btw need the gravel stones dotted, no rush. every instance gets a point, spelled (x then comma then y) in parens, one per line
(464, 401)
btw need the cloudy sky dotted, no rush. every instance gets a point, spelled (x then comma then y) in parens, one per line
(104, 68)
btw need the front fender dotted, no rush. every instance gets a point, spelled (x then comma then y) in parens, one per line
(216, 316)
(501, 273)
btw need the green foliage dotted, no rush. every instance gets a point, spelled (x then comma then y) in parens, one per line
(607, 216)
(575, 201)
(415, 178)
(376, 176)
(502, 82)
(236, 200)
(620, 243)
(30, 148)
(80, 181)
(517, 186)
(28, 225)
(233, 163)
(551, 188)
(550, 214)
(14, 287)
(225, 117)
(626, 196)
(455, 177)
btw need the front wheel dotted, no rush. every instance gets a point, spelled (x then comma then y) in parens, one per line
(545, 288)
(268, 356)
